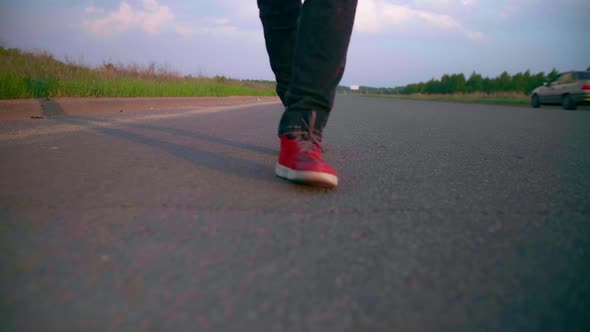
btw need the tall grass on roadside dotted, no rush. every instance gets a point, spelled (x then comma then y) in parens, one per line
(33, 75)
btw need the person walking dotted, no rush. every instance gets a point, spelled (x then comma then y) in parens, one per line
(307, 46)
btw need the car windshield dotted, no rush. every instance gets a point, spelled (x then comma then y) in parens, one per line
(584, 75)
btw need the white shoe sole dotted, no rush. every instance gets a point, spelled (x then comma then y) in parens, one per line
(307, 177)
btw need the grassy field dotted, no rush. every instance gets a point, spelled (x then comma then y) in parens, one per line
(515, 99)
(33, 75)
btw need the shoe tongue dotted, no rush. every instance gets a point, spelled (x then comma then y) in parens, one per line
(308, 138)
(299, 135)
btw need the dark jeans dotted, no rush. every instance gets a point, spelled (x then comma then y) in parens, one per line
(307, 46)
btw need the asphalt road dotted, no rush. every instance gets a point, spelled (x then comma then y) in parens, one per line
(448, 217)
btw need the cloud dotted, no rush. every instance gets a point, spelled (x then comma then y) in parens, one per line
(380, 16)
(92, 10)
(509, 9)
(151, 17)
(474, 35)
(184, 31)
(470, 2)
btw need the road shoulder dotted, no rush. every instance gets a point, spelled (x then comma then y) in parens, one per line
(20, 109)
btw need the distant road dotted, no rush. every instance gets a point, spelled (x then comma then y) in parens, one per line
(448, 217)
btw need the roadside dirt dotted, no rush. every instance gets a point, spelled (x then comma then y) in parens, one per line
(21, 109)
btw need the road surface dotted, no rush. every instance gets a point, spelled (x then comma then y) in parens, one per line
(448, 217)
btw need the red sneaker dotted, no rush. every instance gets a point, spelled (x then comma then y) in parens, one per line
(300, 160)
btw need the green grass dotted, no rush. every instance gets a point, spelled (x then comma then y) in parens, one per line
(34, 75)
(511, 99)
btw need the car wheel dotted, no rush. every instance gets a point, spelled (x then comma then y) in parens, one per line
(535, 102)
(568, 102)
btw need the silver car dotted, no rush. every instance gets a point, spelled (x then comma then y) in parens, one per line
(567, 89)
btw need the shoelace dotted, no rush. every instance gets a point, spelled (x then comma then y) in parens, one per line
(309, 144)
(307, 141)
(310, 138)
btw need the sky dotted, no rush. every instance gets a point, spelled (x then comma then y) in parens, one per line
(393, 43)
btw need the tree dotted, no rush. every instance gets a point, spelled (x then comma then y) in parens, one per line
(519, 82)
(455, 83)
(503, 82)
(458, 83)
(486, 85)
(551, 75)
(474, 83)
(432, 86)
(445, 84)
(530, 82)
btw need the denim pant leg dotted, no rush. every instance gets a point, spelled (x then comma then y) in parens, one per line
(321, 38)
(322, 42)
(280, 19)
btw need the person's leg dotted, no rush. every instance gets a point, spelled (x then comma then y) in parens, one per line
(279, 21)
(319, 59)
(307, 48)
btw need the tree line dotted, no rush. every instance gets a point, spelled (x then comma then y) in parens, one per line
(522, 82)
(457, 83)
